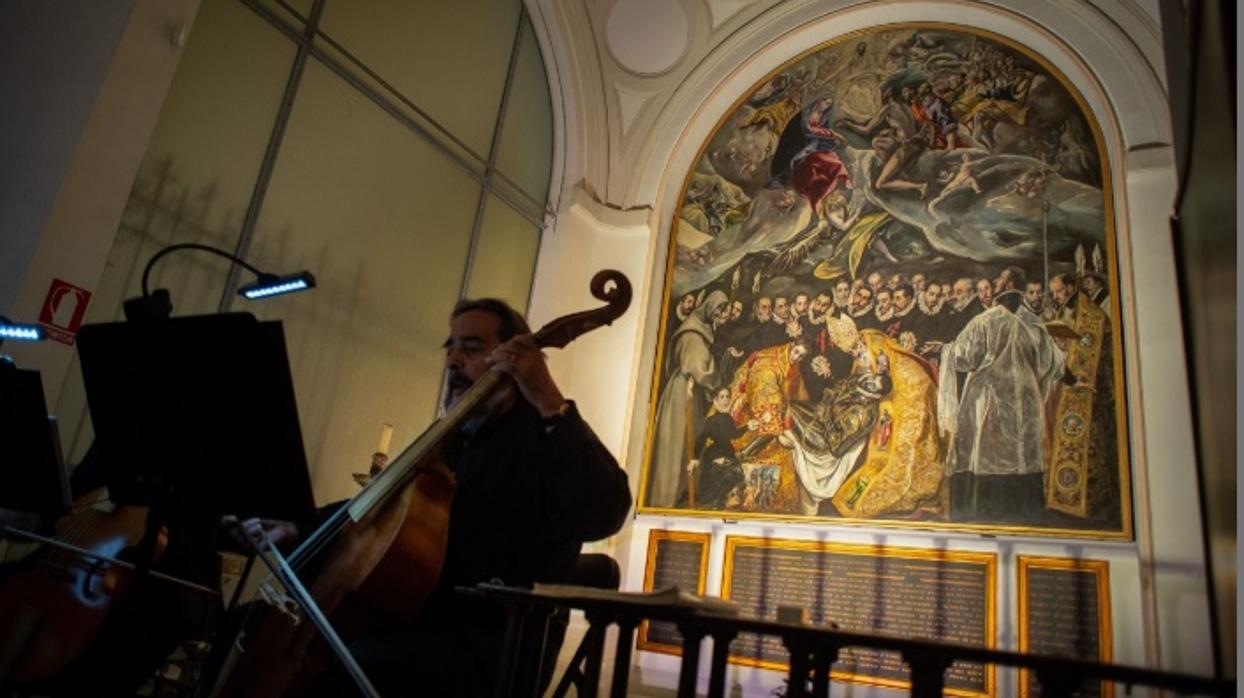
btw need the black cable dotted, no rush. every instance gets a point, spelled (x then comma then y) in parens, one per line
(196, 246)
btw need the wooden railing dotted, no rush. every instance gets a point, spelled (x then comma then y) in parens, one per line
(812, 650)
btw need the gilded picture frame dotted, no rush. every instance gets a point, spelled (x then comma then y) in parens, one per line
(879, 557)
(643, 639)
(892, 299)
(1101, 620)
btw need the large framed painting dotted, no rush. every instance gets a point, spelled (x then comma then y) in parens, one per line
(893, 298)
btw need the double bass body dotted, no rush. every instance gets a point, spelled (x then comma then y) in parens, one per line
(378, 570)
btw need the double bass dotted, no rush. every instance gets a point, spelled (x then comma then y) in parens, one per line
(378, 558)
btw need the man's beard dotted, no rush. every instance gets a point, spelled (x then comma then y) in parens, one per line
(456, 385)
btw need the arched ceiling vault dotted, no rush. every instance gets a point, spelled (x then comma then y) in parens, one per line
(630, 76)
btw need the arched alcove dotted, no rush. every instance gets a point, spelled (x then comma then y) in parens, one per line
(1111, 56)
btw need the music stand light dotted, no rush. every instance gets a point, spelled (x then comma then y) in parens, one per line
(20, 331)
(157, 304)
(269, 285)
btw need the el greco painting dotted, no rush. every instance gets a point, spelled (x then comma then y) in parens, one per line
(892, 298)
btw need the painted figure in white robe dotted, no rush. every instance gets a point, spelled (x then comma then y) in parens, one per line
(995, 455)
(691, 379)
(827, 438)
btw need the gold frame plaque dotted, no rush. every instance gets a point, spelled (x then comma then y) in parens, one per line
(655, 536)
(1101, 571)
(988, 560)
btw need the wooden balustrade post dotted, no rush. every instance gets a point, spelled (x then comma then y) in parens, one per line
(692, 636)
(594, 641)
(797, 680)
(511, 646)
(622, 656)
(530, 651)
(1058, 683)
(823, 658)
(721, 654)
(928, 673)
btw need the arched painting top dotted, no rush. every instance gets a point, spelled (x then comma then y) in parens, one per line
(892, 299)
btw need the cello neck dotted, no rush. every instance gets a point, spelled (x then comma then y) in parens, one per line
(406, 466)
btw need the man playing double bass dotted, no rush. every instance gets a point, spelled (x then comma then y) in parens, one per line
(533, 483)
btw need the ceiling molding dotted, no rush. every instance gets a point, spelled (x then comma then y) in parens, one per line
(723, 11)
(646, 38)
(630, 103)
(1107, 67)
(630, 126)
(572, 61)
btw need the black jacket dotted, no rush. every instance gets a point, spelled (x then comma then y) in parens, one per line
(528, 495)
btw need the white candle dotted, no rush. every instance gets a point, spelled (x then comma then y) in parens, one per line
(386, 435)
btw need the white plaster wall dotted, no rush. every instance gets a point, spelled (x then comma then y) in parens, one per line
(52, 60)
(595, 370)
(80, 221)
(1111, 51)
(598, 370)
(1169, 543)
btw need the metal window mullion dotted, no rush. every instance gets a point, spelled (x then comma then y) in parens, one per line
(484, 180)
(448, 135)
(493, 147)
(518, 188)
(414, 126)
(268, 164)
(392, 109)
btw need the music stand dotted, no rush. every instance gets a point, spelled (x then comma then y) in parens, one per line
(201, 405)
(198, 414)
(32, 478)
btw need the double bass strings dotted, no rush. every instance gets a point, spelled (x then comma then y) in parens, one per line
(282, 571)
(327, 532)
(319, 540)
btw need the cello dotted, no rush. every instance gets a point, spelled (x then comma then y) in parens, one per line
(54, 601)
(379, 556)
